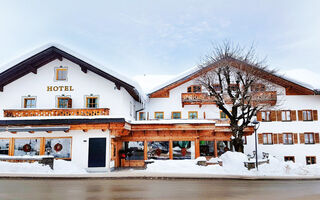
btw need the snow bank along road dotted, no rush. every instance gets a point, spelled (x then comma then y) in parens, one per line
(233, 168)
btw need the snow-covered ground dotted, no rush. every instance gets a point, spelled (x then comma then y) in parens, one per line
(60, 167)
(233, 164)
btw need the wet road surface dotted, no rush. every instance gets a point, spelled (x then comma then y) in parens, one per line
(128, 189)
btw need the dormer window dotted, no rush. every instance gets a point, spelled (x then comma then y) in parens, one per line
(61, 73)
(194, 88)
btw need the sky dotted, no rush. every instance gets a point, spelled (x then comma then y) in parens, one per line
(155, 40)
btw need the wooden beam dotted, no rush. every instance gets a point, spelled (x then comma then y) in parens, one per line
(145, 150)
(11, 146)
(103, 130)
(84, 69)
(66, 131)
(117, 86)
(49, 131)
(1, 88)
(13, 132)
(31, 131)
(33, 69)
(215, 149)
(197, 147)
(170, 150)
(59, 57)
(85, 130)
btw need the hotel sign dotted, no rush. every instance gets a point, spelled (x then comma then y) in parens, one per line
(59, 88)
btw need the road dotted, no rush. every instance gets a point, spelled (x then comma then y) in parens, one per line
(128, 189)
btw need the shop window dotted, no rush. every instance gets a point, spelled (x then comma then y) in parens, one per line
(286, 115)
(4, 146)
(158, 150)
(27, 147)
(159, 115)
(287, 138)
(29, 102)
(61, 74)
(64, 102)
(309, 138)
(194, 88)
(307, 115)
(176, 115)
(310, 160)
(92, 102)
(134, 150)
(265, 116)
(206, 148)
(182, 150)
(58, 147)
(193, 115)
(223, 146)
(267, 138)
(142, 116)
(289, 158)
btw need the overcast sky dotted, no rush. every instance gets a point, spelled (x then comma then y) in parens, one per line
(166, 37)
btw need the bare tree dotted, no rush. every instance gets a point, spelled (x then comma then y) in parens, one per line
(234, 77)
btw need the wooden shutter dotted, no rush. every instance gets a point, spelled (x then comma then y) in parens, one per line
(69, 103)
(295, 138)
(273, 116)
(315, 115)
(293, 115)
(275, 138)
(260, 138)
(316, 138)
(259, 117)
(279, 115)
(300, 115)
(301, 138)
(280, 138)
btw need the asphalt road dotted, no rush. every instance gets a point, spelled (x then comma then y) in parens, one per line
(128, 189)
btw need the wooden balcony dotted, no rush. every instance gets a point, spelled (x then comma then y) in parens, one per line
(196, 99)
(265, 98)
(56, 112)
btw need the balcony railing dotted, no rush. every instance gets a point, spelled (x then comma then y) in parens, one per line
(56, 112)
(196, 99)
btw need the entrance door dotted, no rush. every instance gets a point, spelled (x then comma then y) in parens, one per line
(97, 152)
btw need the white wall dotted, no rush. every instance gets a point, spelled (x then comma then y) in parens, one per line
(83, 84)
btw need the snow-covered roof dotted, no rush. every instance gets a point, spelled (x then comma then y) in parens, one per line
(42, 48)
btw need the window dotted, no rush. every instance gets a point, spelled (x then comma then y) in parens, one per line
(286, 115)
(267, 138)
(142, 116)
(310, 160)
(258, 88)
(194, 88)
(193, 115)
(64, 102)
(176, 115)
(289, 158)
(307, 115)
(287, 138)
(234, 87)
(134, 150)
(29, 102)
(309, 138)
(4, 146)
(58, 147)
(61, 74)
(223, 115)
(265, 116)
(92, 102)
(158, 115)
(216, 87)
(27, 147)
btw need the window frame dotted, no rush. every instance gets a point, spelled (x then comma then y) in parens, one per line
(192, 90)
(286, 158)
(158, 112)
(268, 142)
(259, 87)
(144, 114)
(56, 71)
(311, 115)
(176, 112)
(286, 119)
(313, 138)
(220, 114)
(315, 160)
(265, 113)
(63, 97)
(28, 98)
(91, 97)
(193, 112)
(287, 134)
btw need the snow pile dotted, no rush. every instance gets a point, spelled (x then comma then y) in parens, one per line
(233, 164)
(60, 167)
